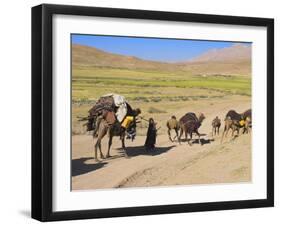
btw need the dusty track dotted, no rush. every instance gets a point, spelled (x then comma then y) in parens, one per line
(171, 163)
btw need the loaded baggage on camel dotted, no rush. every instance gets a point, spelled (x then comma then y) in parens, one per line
(240, 119)
(112, 108)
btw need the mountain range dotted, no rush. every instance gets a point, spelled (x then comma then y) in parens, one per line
(233, 60)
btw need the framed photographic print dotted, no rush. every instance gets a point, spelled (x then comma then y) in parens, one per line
(145, 112)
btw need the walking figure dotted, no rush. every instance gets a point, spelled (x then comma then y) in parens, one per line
(151, 135)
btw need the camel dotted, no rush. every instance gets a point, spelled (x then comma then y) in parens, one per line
(247, 116)
(103, 119)
(230, 124)
(248, 125)
(112, 130)
(173, 124)
(216, 124)
(235, 121)
(189, 124)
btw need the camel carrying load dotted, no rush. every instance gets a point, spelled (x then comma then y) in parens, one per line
(112, 108)
(112, 115)
(235, 121)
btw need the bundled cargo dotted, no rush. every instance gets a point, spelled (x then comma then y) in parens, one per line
(112, 108)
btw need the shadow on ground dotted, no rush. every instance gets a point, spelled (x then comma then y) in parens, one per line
(196, 141)
(140, 150)
(203, 141)
(79, 166)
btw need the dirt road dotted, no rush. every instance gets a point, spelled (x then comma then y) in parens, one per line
(170, 163)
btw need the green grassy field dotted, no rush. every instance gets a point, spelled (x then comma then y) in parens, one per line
(155, 92)
(91, 83)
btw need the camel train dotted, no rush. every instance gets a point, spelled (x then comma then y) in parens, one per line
(189, 124)
(113, 115)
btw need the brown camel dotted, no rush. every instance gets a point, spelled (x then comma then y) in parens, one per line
(173, 124)
(102, 120)
(189, 124)
(112, 130)
(230, 124)
(235, 121)
(216, 124)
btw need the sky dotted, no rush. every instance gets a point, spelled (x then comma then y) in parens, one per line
(167, 50)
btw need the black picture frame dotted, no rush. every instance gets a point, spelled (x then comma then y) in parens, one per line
(42, 111)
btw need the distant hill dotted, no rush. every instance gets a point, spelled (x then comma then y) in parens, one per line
(235, 53)
(234, 60)
(90, 56)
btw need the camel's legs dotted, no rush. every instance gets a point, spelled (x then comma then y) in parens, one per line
(179, 137)
(185, 133)
(96, 149)
(233, 130)
(101, 133)
(123, 146)
(169, 134)
(177, 134)
(198, 134)
(188, 141)
(109, 145)
(247, 128)
(222, 135)
(101, 155)
(96, 146)
(225, 131)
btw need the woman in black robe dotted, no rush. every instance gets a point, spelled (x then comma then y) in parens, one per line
(150, 135)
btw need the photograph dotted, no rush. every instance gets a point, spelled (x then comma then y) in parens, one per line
(142, 112)
(154, 112)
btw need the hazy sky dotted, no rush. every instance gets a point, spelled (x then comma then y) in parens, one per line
(169, 50)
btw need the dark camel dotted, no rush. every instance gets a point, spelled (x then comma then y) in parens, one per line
(189, 124)
(235, 121)
(247, 116)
